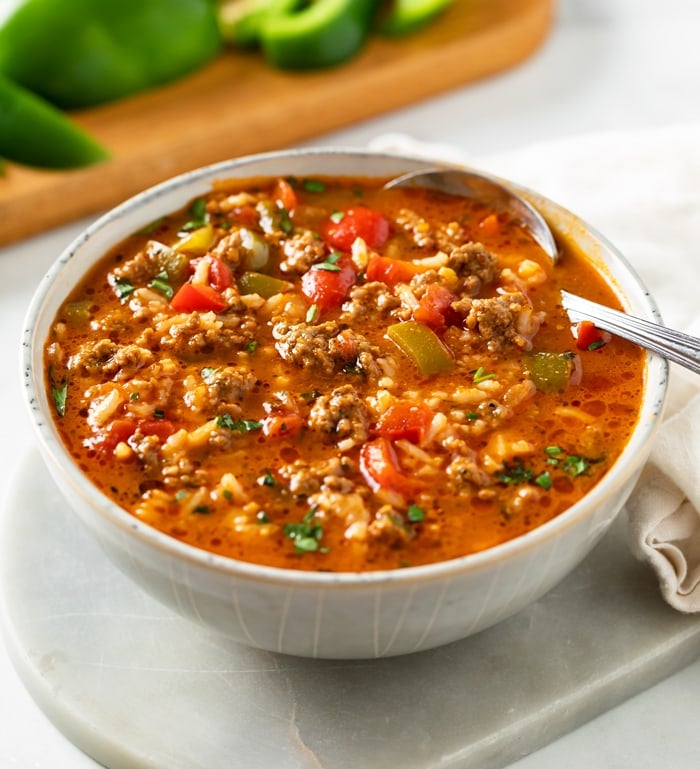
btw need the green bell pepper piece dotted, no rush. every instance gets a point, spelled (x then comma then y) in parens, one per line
(34, 133)
(407, 16)
(240, 21)
(299, 35)
(550, 371)
(264, 285)
(422, 346)
(77, 53)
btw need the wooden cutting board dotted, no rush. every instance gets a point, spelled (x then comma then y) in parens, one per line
(238, 105)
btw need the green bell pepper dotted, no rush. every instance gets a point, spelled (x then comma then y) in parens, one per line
(407, 16)
(77, 53)
(550, 371)
(261, 284)
(299, 35)
(240, 21)
(422, 345)
(34, 133)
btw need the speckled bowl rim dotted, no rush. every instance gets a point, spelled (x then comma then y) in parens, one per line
(54, 451)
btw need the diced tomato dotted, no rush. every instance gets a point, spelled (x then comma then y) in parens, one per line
(405, 420)
(390, 271)
(382, 470)
(247, 216)
(588, 337)
(198, 297)
(328, 288)
(282, 425)
(120, 430)
(220, 274)
(435, 308)
(359, 222)
(284, 195)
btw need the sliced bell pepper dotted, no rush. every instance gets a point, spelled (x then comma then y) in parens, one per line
(34, 133)
(390, 271)
(589, 337)
(405, 420)
(407, 16)
(296, 34)
(85, 52)
(261, 284)
(550, 371)
(193, 297)
(422, 346)
(197, 241)
(382, 470)
(240, 21)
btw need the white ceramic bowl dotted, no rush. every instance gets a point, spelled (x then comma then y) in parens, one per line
(325, 614)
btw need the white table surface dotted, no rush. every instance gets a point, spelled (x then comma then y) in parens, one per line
(608, 64)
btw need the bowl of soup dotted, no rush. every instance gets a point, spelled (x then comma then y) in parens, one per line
(331, 419)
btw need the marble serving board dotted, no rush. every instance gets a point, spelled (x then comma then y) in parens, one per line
(137, 687)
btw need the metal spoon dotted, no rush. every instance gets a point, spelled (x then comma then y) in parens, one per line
(674, 345)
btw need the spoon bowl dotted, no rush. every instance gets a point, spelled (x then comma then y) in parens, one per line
(469, 184)
(673, 345)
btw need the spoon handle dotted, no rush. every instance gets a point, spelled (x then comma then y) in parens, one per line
(674, 345)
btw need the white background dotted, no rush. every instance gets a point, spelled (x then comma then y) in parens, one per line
(621, 64)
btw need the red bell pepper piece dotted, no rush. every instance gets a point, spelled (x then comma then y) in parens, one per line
(405, 420)
(198, 297)
(589, 337)
(382, 470)
(390, 271)
(220, 274)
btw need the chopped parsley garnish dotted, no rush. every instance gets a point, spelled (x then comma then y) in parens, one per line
(159, 414)
(268, 479)
(123, 287)
(544, 480)
(202, 510)
(161, 283)
(307, 534)
(251, 346)
(472, 415)
(227, 494)
(596, 345)
(286, 224)
(313, 185)
(481, 375)
(415, 514)
(310, 395)
(514, 474)
(198, 215)
(575, 465)
(240, 425)
(134, 396)
(262, 517)
(553, 451)
(337, 216)
(329, 263)
(59, 393)
(149, 228)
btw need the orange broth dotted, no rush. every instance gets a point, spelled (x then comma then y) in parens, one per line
(352, 378)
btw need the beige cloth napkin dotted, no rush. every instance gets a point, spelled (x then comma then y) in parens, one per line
(642, 190)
